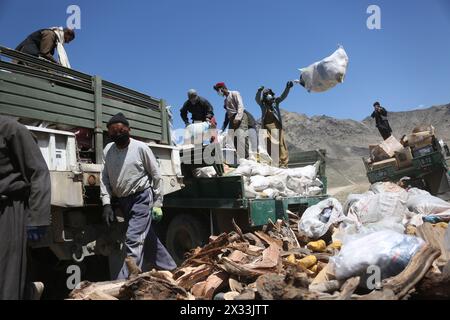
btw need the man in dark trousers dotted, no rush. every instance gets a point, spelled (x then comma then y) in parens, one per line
(382, 123)
(42, 43)
(131, 174)
(236, 118)
(25, 197)
(271, 119)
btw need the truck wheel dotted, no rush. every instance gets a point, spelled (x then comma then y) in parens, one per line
(184, 233)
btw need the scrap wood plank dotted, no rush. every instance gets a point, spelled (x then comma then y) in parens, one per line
(268, 239)
(348, 288)
(111, 288)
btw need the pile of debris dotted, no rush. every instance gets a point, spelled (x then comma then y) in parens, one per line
(322, 256)
(400, 154)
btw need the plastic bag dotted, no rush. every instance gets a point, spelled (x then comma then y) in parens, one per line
(309, 172)
(325, 74)
(195, 133)
(372, 209)
(206, 172)
(318, 219)
(388, 250)
(259, 183)
(381, 187)
(424, 204)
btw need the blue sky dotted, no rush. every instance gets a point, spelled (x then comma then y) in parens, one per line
(164, 48)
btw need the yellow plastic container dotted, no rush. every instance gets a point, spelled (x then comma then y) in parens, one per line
(443, 225)
(317, 246)
(291, 259)
(411, 230)
(307, 262)
(336, 245)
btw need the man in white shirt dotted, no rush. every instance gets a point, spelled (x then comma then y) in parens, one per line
(236, 117)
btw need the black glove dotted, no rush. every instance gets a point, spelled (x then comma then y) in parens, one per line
(261, 88)
(108, 214)
(290, 84)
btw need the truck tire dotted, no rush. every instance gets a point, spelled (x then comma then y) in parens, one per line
(184, 233)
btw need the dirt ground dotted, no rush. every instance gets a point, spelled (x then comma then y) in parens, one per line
(341, 193)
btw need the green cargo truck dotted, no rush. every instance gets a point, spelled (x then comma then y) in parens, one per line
(428, 170)
(62, 107)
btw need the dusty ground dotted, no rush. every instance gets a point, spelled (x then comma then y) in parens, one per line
(341, 193)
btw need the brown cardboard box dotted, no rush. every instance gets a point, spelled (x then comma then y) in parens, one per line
(391, 146)
(384, 164)
(421, 139)
(377, 153)
(404, 158)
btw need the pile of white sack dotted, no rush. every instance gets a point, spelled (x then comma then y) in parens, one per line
(375, 228)
(264, 181)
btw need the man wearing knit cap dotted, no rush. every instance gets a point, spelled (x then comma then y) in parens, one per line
(131, 174)
(236, 117)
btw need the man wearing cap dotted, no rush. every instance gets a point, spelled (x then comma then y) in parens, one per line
(132, 175)
(200, 108)
(271, 119)
(236, 117)
(382, 123)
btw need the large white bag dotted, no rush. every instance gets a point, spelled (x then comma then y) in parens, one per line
(388, 250)
(195, 133)
(318, 219)
(325, 74)
(380, 211)
(424, 204)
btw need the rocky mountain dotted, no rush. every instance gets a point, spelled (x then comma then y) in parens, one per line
(347, 141)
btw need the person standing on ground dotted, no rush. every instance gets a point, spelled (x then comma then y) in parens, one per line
(25, 202)
(131, 173)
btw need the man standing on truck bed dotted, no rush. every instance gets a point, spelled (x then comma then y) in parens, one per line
(200, 108)
(271, 119)
(42, 43)
(25, 196)
(201, 111)
(131, 173)
(236, 117)
(380, 116)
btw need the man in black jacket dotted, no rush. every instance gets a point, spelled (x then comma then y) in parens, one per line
(382, 123)
(25, 195)
(200, 108)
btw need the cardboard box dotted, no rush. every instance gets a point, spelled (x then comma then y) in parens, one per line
(385, 163)
(421, 139)
(377, 153)
(404, 158)
(391, 146)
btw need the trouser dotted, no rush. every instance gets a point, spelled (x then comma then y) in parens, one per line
(271, 123)
(385, 133)
(141, 241)
(13, 241)
(240, 140)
